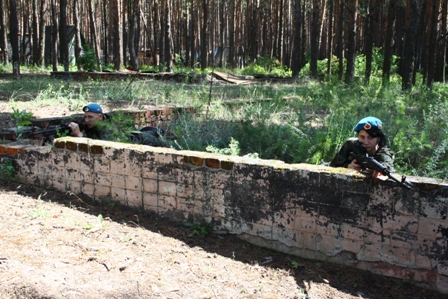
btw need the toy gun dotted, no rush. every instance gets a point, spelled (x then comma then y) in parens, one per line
(362, 157)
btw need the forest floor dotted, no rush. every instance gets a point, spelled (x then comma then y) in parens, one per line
(61, 245)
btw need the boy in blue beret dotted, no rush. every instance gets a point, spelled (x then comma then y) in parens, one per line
(93, 113)
(371, 137)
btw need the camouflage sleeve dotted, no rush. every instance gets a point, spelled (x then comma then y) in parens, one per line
(386, 157)
(342, 157)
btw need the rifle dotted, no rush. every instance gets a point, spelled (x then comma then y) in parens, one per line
(49, 133)
(362, 157)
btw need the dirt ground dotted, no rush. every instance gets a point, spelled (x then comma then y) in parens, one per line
(61, 245)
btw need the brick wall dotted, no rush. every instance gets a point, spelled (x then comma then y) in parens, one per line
(315, 212)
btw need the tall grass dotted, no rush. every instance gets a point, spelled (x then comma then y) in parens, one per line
(303, 122)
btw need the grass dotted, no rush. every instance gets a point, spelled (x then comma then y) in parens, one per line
(303, 122)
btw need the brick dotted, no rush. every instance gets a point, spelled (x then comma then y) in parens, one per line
(327, 228)
(150, 200)
(432, 227)
(133, 183)
(285, 236)
(83, 147)
(118, 181)
(284, 220)
(12, 151)
(329, 245)
(212, 163)
(2, 149)
(88, 189)
(96, 149)
(167, 188)
(118, 194)
(227, 165)
(59, 144)
(134, 198)
(197, 161)
(167, 202)
(353, 246)
(351, 232)
(102, 192)
(102, 179)
(71, 146)
(305, 224)
(264, 231)
(150, 186)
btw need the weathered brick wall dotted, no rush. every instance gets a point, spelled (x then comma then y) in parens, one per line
(315, 212)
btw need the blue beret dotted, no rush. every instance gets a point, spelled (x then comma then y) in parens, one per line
(369, 124)
(93, 107)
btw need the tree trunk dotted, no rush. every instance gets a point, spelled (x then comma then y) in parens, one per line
(133, 35)
(118, 35)
(411, 27)
(298, 19)
(35, 29)
(370, 32)
(192, 34)
(54, 40)
(433, 36)
(105, 33)
(94, 34)
(387, 63)
(352, 14)
(63, 41)
(441, 47)
(78, 44)
(14, 38)
(205, 20)
(232, 34)
(168, 38)
(24, 43)
(3, 34)
(330, 35)
(41, 53)
(315, 30)
(162, 37)
(341, 45)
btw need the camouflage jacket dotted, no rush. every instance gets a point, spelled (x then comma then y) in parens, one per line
(384, 155)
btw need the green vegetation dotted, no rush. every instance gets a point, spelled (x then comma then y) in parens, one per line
(22, 118)
(7, 170)
(197, 229)
(301, 122)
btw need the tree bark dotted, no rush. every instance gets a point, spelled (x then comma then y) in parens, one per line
(3, 34)
(63, 41)
(411, 27)
(315, 30)
(118, 35)
(14, 38)
(35, 29)
(298, 19)
(54, 41)
(341, 45)
(352, 14)
(330, 36)
(41, 53)
(94, 34)
(78, 44)
(387, 63)
(205, 20)
(133, 35)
